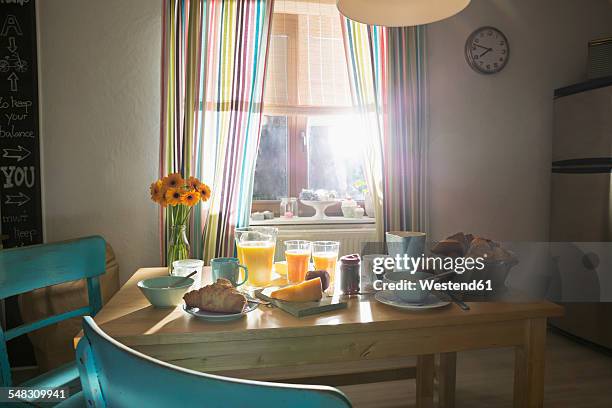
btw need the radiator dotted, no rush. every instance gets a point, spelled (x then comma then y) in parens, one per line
(351, 240)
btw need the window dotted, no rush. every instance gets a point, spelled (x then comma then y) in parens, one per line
(306, 136)
(271, 167)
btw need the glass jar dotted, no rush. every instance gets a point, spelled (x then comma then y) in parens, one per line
(184, 267)
(288, 207)
(350, 275)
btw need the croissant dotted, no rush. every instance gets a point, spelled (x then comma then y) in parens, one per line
(449, 247)
(221, 297)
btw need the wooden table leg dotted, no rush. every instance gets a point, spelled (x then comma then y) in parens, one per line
(447, 376)
(424, 381)
(529, 366)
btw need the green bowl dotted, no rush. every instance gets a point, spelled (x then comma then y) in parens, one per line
(158, 292)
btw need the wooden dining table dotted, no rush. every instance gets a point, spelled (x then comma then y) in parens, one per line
(339, 347)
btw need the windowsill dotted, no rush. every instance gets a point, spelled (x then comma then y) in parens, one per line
(313, 221)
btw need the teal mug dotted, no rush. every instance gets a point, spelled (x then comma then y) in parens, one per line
(228, 268)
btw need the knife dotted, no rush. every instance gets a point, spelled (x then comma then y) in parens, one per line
(458, 302)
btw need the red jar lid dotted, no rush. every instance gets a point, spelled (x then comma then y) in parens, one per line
(352, 259)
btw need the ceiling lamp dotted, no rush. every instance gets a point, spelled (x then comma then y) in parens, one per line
(399, 13)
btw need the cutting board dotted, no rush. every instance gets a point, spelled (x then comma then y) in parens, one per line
(301, 309)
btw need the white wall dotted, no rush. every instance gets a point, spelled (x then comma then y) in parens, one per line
(490, 135)
(100, 73)
(490, 149)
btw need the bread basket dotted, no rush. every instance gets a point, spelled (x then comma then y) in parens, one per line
(495, 271)
(497, 264)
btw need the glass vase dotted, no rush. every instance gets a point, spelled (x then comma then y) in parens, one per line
(178, 245)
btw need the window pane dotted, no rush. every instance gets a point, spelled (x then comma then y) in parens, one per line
(334, 156)
(271, 168)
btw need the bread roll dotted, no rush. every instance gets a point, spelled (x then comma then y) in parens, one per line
(449, 247)
(472, 246)
(480, 248)
(462, 239)
(220, 297)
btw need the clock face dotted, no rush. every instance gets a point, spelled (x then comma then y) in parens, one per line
(487, 50)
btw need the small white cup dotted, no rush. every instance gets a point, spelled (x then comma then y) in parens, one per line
(184, 267)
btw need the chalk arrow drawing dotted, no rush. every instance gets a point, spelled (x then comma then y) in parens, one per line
(10, 23)
(19, 153)
(12, 47)
(17, 199)
(13, 78)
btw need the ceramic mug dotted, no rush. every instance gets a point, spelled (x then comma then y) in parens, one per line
(411, 243)
(228, 268)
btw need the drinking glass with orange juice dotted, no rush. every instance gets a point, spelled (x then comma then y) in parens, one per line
(325, 257)
(297, 254)
(255, 247)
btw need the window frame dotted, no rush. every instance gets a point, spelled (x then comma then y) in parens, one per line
(297, 125)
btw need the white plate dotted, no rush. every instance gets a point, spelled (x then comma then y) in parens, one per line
(389, 298)
(219, 317)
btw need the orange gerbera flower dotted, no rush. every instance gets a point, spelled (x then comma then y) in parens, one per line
(156, 191)
(162, 200)
(174, 180)
(173, 196)
(193, 183)
(190, 198)
(204, 191)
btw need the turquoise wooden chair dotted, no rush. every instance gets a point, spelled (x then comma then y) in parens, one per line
(27, 268)
(114, 375)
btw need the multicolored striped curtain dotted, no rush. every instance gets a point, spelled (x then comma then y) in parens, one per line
(365, 48)
(389, 86)
(213, 69)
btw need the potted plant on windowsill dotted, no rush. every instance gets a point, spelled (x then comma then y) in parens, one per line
(178, 196)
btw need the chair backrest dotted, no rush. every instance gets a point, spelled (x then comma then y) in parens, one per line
(113, 375)
(25, 269)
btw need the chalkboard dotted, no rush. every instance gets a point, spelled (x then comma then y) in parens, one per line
(20, 202)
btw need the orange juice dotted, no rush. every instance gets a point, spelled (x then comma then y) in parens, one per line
(258, 257)
(297, 265)
(326, 261)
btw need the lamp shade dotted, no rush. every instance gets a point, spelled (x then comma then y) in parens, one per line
(399, 13)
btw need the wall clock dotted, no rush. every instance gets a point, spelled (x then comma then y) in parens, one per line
(487, 50)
